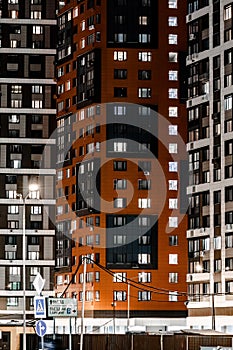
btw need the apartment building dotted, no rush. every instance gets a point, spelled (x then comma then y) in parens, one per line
(27, 120)
(209, 105)
(120, 111)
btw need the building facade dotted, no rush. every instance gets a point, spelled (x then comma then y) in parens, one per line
(27, 120)
(121, 111)
(209, 106)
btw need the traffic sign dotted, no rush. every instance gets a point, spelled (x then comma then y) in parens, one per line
(39, 307)
(63, 307)
(38, 283)
(41, 328)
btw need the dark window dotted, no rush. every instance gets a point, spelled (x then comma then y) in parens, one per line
(144, 74)
(120, 92)
(120, 165)
(13, 133)
(120, 73)
(228, 194)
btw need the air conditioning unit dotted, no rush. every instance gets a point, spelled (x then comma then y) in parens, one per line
(91, 228)
(189, 277)
(201, 254)
(146, 173)
(202, 230)
(229, 226)
(189, 17)
(191, 145)
(91, 27)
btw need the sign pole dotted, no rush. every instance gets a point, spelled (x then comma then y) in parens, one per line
(70, 336)
(42, 342)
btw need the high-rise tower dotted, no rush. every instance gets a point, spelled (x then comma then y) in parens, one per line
(112, 54)
(209, 104)
(27, 120)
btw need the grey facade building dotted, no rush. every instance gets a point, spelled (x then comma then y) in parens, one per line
(210, 232)
(27, 120)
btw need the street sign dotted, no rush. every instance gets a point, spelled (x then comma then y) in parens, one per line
(41, 328)
(39, 307)
(62, 307)
(38, 283)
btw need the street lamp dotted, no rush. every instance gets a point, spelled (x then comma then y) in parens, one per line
(32, 187)
(199, 268)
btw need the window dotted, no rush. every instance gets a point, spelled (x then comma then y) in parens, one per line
(37, 29)
(144, 38)
(144, 74)
(173, 167)
(172, 56)
(119, 295)
(173, 130)
(120, 92)
(173, 259)
(33, 255)
(119, 202)
(15, 163)
(227, 12)
(173, 111)
(173, 93)
(11, 194)
(144, 92)
(173, 296)
(173, 240)
(119, 277)
(228, 102)
(173, 221)
(10, 255)
(144, 203)
(145, 56)
(119, 239)
(13, 209)
(120, 184)
(173, 75)
(146, 3)
(173, 277)
(173, 203)
(120, 146)
(173, 148)
(172, 21)
(120, 37)
(144, 277)
(120, 73)
(13, 301)
(35, 14)
(172, 39)
(14, 119)
(172, 4)
(36, 210)
(144, 184)
(144, 258)
(172, 185)
(144, 296)
(37, 104)
(119, 165)
(143, 20)
(13, 224)
(120, 55)
(37, 89)
(119, 110)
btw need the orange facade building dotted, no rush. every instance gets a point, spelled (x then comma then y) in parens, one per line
(121, 174)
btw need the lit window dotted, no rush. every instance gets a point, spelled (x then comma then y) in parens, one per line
(228, 102)
(173, 259)
(83, 25)
(173, 203)
(37, 89)
(173, 148)
(172, 4)
(173, 75)
(173, 221)
(143, 20)
(173, 111)
(37, 30)
(37, 104)
(144, 202)
(119, 277)
(173, 129)
(172, 21)
(119, 295)
(120, 55)
(173, 93)
(172, 39)
(13, 301)
(144, 296)
(228, 12)
(173, 166)
(120, 184)
(145, 56)
(144, 258)
(173, 184)
(35, 14)
(173, 296)
(13, 209)
(33, 255)
(120, 37)
(119, 110)
(144, 277)
(83, 43)
(144, 38)
(120, 146)
(119, 202)
(144, 92)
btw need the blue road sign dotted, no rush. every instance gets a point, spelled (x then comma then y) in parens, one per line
(41, 328)
(39, 307)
